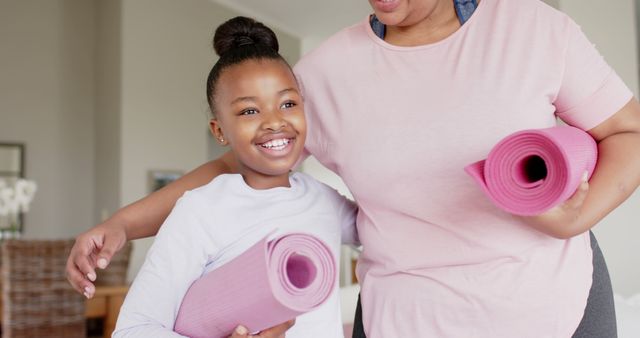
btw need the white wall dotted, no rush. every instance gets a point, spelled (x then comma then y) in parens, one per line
(47, 102)
(612, 26)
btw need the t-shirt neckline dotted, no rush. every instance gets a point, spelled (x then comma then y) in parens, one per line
(242, 184)
(454, 36)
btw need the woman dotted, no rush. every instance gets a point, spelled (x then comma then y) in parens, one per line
(397, 105)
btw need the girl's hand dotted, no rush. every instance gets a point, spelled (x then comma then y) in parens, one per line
(93, 248)
(561, 220)
(277, 331)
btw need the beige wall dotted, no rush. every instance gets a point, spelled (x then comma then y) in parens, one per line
(553, 3)
(47, 102)
(108, 98)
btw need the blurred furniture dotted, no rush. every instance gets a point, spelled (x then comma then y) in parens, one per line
(37, 298)
(106, 304)
(116, 273)
(12, 168)
(12, 160)
(111, 288)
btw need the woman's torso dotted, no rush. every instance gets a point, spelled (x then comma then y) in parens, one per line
(398, 124)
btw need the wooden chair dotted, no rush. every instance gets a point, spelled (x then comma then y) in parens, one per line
(37, 298)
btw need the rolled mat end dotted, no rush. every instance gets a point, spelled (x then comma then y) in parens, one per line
(531, 171)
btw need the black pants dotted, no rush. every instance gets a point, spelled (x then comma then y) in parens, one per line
(599, 319)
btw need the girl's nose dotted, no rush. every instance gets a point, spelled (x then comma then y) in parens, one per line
(273, 121)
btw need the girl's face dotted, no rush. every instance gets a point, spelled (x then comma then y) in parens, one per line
(260, 114)
(403, 13)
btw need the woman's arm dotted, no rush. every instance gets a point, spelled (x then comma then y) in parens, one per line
(95, 247)
(616, 176)
(144, 217)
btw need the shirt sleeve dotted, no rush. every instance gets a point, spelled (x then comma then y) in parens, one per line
(174, 261)
(347, 213)
(590, 91)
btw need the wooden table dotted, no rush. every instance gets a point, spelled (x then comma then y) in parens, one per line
(105, 304)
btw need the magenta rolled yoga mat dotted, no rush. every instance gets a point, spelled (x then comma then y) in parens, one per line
(531, 171)
(270, 283)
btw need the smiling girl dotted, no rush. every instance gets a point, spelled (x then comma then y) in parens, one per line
(258, 112)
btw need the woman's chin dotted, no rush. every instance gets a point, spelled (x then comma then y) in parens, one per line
(390, 19)
(384, 6)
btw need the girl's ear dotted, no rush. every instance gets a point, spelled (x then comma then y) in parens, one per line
(216, 131)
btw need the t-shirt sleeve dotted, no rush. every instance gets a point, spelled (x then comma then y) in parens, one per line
(590, 91)
(174, 261)
(347, 213)
(315, 136)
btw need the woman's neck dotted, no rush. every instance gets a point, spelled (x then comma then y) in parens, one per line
(437, 25)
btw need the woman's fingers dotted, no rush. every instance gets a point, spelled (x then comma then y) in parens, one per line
(240, 332)
(77, 279)
(80, 268)
(576, 201)
(92, 249)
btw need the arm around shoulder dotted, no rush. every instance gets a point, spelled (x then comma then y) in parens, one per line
(95, 247)
(143, 217)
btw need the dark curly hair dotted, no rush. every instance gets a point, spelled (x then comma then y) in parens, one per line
(237, 40)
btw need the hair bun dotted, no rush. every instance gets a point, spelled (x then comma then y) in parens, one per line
(242, 31)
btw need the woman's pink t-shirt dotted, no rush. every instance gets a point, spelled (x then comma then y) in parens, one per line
(399, 124)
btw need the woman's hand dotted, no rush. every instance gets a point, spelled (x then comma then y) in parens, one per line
(93, 248)
(277, 331)
(615, 178)
(559, 221)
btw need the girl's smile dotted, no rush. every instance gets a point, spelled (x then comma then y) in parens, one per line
(277, 145)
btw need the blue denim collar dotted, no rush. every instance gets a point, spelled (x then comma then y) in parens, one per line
(464, 10)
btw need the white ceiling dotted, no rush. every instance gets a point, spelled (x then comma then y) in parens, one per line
(303, 18)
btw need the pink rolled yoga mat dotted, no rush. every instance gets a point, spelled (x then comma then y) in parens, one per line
(531, 171)
(270, 283)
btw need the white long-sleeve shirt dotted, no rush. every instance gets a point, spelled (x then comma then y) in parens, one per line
(215, 223)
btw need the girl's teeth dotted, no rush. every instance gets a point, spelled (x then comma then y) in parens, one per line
(276, 144)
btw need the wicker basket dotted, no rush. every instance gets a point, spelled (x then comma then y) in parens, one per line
(116, 273)
(38, 301)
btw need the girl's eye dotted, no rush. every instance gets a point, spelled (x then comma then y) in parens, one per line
(288, 104)
(248, 112)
